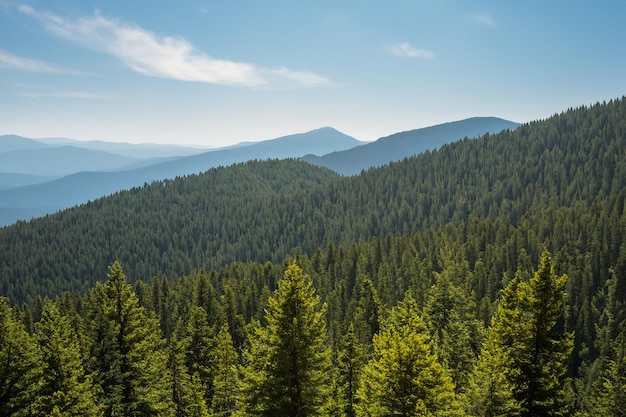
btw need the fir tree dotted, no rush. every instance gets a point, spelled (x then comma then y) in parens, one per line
(65, 386)
(128, 355)
(528, 347)
(224, 372)
(199, 345)
(404, 378)
(350, 361)
(20, 366)
(287, 364)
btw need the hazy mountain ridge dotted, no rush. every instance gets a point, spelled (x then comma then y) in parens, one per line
(79, 187)
(404, 144)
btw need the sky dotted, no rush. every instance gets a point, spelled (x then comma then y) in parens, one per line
(215, 73)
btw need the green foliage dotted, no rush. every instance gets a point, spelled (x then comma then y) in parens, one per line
(528, 347)
(287, 365)
(20, 366)
(404, 378)
(264, 211)
(225, 376)
(127, 353)
(65, 386)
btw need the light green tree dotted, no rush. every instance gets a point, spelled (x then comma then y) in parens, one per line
(65, 386)
(287, 365)
(128, 355)
(20, 366)
(225, 359)
(404, 378)
(527, 348)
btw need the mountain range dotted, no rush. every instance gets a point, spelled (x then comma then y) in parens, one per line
(39, 177)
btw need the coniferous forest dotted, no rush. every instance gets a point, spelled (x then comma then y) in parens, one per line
(486, 278)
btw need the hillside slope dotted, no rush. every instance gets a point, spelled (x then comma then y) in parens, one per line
(45, 198)
(231, 214)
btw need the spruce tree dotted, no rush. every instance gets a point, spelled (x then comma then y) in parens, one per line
(20, 366)
(65, 386)
(350, 361)
(199, 344)
(127, 352)
(224, 372)
(455, 332)
(404, 378)
(527, 345)
(287, 364)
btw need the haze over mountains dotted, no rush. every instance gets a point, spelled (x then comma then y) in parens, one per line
(39, 177)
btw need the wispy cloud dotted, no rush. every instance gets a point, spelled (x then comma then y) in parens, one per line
(483, 19)
(162, 56)
(9, 60)
(84, 95)
(406, 50)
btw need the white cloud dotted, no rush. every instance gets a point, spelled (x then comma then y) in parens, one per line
(161, 56)
(68, 94)
(406, 50)
(9, 60)
(483, 19)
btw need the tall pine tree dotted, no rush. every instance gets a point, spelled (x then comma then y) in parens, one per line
(404, 378)
(527, 345)
(20, 366)
(65, 384)
(287, 365)
(128, 354)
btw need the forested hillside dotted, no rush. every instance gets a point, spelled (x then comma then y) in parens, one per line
(485, 278)
(227, 215)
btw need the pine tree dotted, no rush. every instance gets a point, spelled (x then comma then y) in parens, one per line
(128, 355)
(224, 372)
(350, 361)
(404, 378)
(610, 400)
(187, 392)
(456, 334)
(287, 364)
(65, 386)
(528, 347)
(489, 393)
(199, 345)
(20, 366)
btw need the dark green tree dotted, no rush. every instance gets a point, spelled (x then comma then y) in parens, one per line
(404, 378)
(127, 352)
(287, 365)
(350, 361)
(65, 386)
(199, 344)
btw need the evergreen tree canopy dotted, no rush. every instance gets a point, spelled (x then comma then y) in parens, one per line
(404, 378)
(287, 365)
(528, 345)
(127, 352)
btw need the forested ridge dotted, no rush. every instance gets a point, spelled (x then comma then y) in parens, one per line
(245, 213)
(486, 278)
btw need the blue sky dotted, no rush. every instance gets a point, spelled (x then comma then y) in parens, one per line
(214, 73)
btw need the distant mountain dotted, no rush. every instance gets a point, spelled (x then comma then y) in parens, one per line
(10, 143)
(401, 145)
(59, 161)
(139, 151)
(44, 198)
(12, 180)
